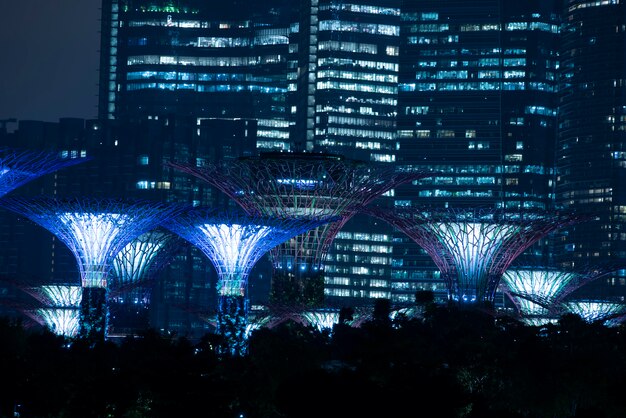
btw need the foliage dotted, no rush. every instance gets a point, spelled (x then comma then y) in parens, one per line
(460, 362)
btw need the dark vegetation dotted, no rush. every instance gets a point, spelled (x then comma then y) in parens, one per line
(456, 362)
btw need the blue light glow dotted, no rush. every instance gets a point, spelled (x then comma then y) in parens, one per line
(133, 263)
(93, 237)
(61, 321)
(592, 310)
(322, 320)
(472, 247)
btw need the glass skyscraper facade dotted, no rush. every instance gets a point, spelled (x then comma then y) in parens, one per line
(592, 139)
(477, 104)
(514, 105)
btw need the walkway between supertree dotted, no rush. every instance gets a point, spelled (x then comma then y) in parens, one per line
(473, 247)
(234, 242)
(95, 231)
(18, 167)
(301, 185)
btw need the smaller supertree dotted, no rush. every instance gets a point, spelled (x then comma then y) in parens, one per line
(18, 167)
(133, 274)
(537, 291)
(234, 242)
(95, 231)
(596, 310)
(473, 247)
(59, 308)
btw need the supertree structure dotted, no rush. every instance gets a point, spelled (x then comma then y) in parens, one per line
(301, 185)
(60, 308)
(592, 310)
(234, 242)
(134, 270)
(321, 319)
(473, 247)
(18, 167)
(537, 291)
(95, 231)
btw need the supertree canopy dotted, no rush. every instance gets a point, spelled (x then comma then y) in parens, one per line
(473, 248)
(18, 167)
(95, 231)
(595, 310)
(135, 269)
(537, 291)
(301, 185)
(141, 259)
(234, 242)
(59, 308)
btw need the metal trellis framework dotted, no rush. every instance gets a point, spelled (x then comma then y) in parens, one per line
(95, 231)
(301, 185)
(234, 242)
(472, 248)
(18, 167)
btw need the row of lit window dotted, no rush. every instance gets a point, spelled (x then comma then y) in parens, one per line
(475, 86)
(273, 134)
(373, 65)
(203, 61)
(353, 47)
(346, 120)
(145, 185)
(204, 88)
(361, 8)
(185, 76)
(358, 27)
(459, 181)
(363, 236)
(464, 74)
(456, 194)
(511, 26)
(352, 75)
(432, 40)
(457, 169)
(367, 88)
(355, 294)
(358, 133)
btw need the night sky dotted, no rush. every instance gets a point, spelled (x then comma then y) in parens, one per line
(50, 59)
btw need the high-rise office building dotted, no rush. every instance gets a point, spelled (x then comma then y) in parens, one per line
(471, 90)
(345, 102)
(477, 104)
(591, 148)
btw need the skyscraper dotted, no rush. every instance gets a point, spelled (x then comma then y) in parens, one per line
(592, 138)
(477, 104)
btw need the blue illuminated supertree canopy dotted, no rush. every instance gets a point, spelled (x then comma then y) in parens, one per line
(234, 242)
(18, 167)
(58, 308)
(301, 185)
(95, 231)
(142, 258)
(538, 291)
(592, 310)
(473, 247)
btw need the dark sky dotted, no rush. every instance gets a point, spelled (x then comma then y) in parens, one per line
(50, 59)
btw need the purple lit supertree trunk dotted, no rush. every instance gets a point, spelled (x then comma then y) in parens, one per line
(301, 185)
(18, 167)
(234, 242)
(95, 231)
(473, 247)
